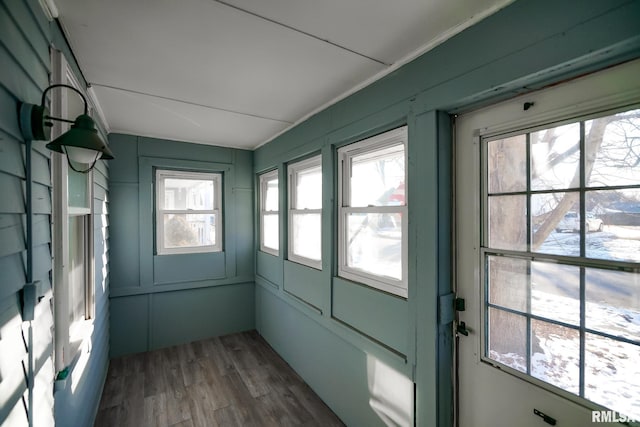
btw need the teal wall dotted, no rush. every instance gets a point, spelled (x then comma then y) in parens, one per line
(330, 330)
(26, 348)
(159, 301)
(344, 339)
(25, 74)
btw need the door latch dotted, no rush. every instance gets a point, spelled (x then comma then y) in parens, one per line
(462, 329)
(459, 305)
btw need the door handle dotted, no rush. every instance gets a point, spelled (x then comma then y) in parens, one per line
(547, 419)
(462, 329)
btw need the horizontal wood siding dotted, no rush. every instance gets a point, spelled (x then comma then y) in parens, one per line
(13, 383)
(26, 347)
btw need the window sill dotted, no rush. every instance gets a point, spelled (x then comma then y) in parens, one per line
(307, 262)
(270, 252)
(191, 250)
(365, 280)
(79, 336)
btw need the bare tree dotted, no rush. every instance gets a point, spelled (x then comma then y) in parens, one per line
(506, 168)
(593, 141)
(507, 222)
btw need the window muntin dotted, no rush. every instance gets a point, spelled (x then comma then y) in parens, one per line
(188, 214)
(269, 213)
(305, 212)
(561, 217)
(372, 212)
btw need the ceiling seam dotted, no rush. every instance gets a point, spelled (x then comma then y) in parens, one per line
(138, 135)
(474, 19)
(297, 30)
(210, 107)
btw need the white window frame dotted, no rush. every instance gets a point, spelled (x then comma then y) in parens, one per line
(160, 176)
(293, 170)
(384, 140)
(263, 182)
(69, 337)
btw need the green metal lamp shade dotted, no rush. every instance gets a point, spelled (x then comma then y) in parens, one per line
(83, 134)
(81, 144)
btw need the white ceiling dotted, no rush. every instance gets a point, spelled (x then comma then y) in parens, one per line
(239, 72)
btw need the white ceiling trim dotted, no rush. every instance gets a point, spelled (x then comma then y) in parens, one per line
(93, 99)
(49, 8)
(410, 57)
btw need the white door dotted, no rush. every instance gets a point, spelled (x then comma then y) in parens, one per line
(552, 310)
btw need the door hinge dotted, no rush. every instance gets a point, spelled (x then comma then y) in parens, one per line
(446, 308)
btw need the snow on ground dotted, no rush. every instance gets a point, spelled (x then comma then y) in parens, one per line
(620, 243)
(612, 368)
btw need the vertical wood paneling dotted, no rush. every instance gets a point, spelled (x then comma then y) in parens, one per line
(504, 55)
(211, 294)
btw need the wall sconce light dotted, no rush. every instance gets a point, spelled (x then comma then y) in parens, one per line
(81, 143)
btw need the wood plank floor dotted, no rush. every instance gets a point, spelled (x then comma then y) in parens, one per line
(234, 380)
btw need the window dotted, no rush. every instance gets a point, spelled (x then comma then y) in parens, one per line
(560, 253)
(372, 216)
(269, 216)
(305, 212)
(80, 256)
(188, 216)
(72, 230)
